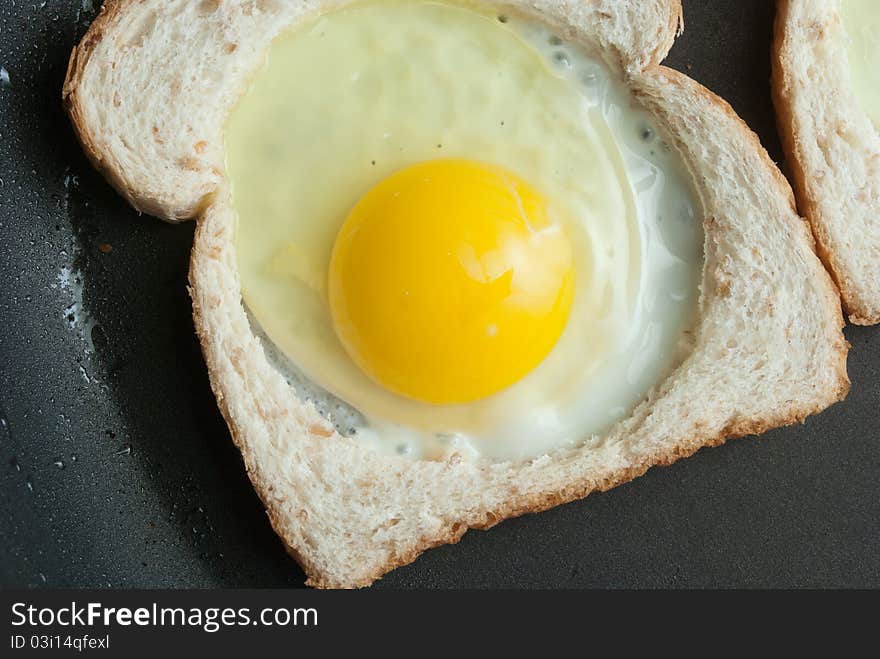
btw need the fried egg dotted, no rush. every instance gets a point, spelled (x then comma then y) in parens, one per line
(457, 232)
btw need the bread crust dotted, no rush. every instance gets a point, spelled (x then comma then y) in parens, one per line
(861, 300)
(674, 28)
(111, 10)
(318, 487)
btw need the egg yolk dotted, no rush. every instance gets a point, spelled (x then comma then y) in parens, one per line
(450, 280)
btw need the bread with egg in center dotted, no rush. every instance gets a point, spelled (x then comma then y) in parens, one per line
(149, 89)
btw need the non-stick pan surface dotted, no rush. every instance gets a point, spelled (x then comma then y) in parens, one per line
(117, 470)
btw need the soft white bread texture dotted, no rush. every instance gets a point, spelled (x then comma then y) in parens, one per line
(832, 147)
(768, 348)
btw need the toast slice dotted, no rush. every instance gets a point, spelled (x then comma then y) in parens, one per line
(832, 147)
(148, 94)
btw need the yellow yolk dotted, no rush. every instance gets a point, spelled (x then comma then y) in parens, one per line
(450, 280)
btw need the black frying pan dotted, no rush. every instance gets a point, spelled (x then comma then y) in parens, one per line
(117, 470)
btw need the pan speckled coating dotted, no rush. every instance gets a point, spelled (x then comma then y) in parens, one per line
(116, 468)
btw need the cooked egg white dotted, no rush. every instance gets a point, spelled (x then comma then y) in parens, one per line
(861, 21)
(458, 232)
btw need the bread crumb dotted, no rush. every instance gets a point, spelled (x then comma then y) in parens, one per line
(105, 248)
(190, 163)
(319, 430)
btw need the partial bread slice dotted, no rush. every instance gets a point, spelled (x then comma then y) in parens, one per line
(768, 350)
(832, 147)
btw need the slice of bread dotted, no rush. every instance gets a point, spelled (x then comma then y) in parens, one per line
(833, 149)
(148, 90)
